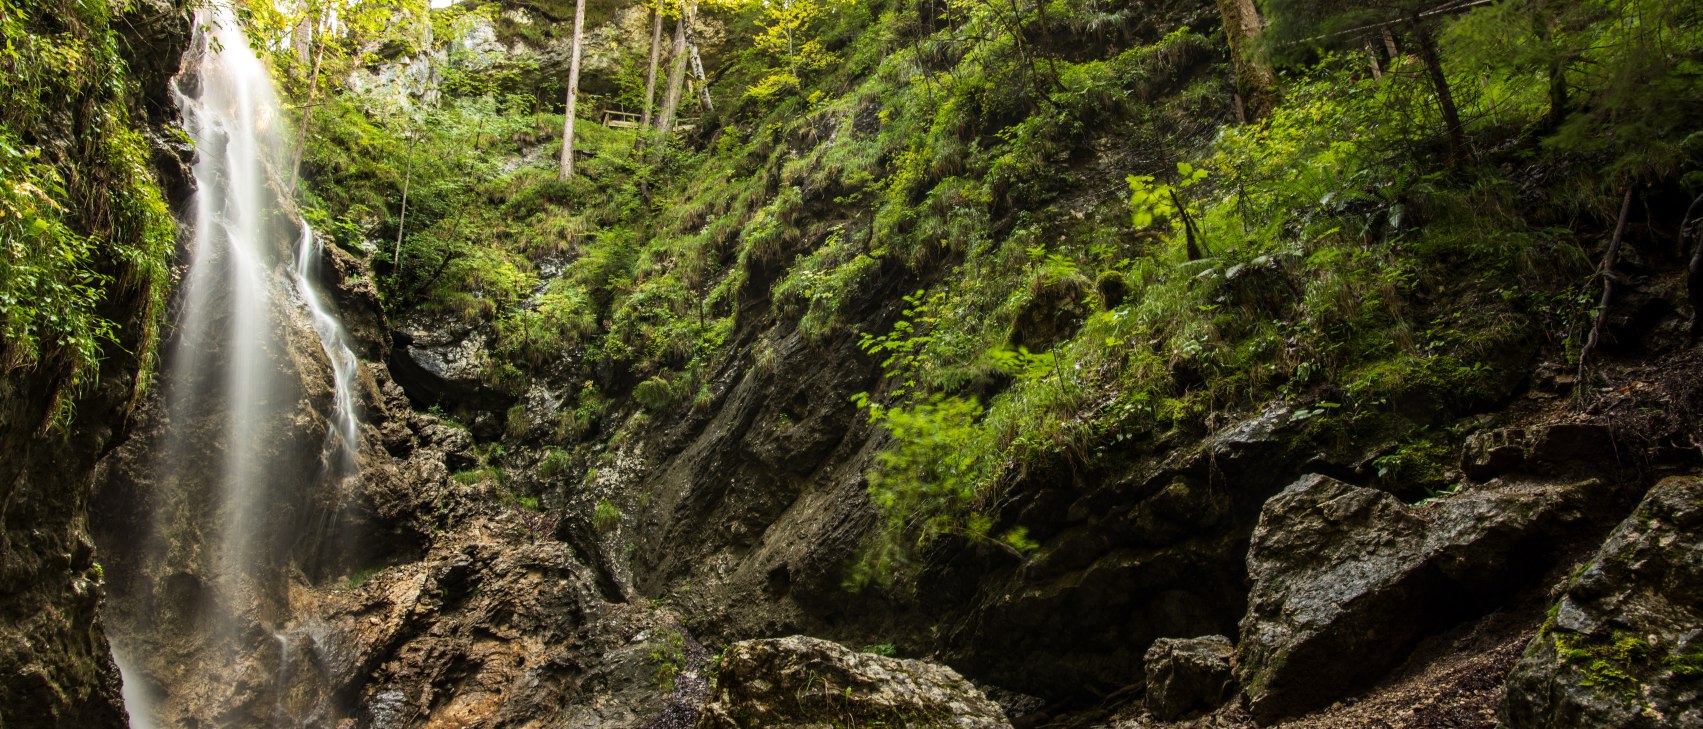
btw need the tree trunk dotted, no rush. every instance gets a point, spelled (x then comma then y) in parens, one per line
(1545, 25)
(573, 91)
(402, 216)
(1608, 276)
(1254, 78)
(1440, 84)
(676, 74)
(655, 58)
(312, 99)
(703, 82)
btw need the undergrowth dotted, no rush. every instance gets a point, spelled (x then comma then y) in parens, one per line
(1100, 256)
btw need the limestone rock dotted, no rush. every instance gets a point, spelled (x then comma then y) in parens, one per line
(1347, 579)
(1623, 648)
(800, 682)
(440, 360)
(1185, 675)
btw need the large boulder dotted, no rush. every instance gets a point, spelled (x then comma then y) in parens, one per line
(1624, 647)
(1188, 674)
(1346, 580)
(801, 682)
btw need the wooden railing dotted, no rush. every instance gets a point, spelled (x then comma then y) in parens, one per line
(617, 119)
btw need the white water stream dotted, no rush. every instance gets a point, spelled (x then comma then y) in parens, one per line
(341, 448)
(228, 388)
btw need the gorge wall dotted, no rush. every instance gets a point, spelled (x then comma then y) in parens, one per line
(110, 165)
(617, 446)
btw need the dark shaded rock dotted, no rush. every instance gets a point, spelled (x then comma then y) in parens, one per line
(438, 361)
(1188, 674)
(1346, 580)
(1493, 453)
(806, 682)
(1623, 647)
(1160, 551)
(1559, 450)
(1053, 313)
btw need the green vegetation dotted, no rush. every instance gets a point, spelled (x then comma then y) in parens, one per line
(606, 517)
(1612, 662)
(1101, 258)
(668, 652)
(86, 233)
(881, 649)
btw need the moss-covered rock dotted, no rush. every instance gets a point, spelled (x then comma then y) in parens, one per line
(1622, 646)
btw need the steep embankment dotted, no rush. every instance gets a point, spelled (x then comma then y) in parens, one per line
(896, 353)
(987, 336)
(895, 328)
(88, 162)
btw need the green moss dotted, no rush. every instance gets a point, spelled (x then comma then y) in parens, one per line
(1687, 665)
(606, 516)
(1618, 662)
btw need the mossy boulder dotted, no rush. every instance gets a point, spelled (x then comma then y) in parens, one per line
(1622, 647)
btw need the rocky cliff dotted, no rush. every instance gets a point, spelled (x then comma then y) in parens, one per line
(97, 133)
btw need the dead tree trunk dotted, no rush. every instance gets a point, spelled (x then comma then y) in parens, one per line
(676, 74)
(703, 82)
(402, 215)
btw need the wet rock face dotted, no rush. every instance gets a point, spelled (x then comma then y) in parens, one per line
(798, 682)
(56, 668)
(1186, 675)
(1347, 579)
(1622, 648)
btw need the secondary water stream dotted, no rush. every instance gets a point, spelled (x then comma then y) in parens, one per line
(239, 506)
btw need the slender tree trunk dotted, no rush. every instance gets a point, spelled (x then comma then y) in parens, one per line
(676, 74)
(1608, 275)
(573, 91)
(402, 216)
(1254, 79)
(1445, 97)
(655, 58)
(703, 82)
(312, 99)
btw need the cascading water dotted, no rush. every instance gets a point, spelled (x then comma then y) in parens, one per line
(208, 630)
(341, 449)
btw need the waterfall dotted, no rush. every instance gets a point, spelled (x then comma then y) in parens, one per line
(341, 449)
(227, 308)
(210, 611)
